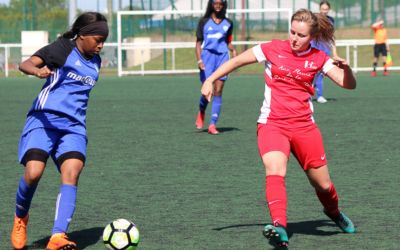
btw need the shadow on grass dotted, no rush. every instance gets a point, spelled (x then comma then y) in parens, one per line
(84, 238)
(220, 129)
(303, 227)
(330, 99)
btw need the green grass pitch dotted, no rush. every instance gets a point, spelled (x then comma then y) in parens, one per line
(186, 189)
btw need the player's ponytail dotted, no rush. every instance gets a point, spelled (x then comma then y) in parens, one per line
(326, 30)
(321, 29)
(83, 20)
(69, 34)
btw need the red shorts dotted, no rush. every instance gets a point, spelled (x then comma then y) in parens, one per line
(304, 143)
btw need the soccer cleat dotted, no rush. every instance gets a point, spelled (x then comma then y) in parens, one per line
(321, 99)
(385, 73)
(200, 120)
(18, 234)
(277, 234)
(60, 241)
(343, 222)
(213, 130)
(373, 73)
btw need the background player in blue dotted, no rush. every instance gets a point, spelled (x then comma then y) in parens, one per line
(55, 125)
(214, 41)
(329, 49)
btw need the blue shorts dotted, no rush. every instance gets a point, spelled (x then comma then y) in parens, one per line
(211, 62)
(54, 142)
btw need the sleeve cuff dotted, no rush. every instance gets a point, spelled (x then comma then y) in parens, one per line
(259, 53)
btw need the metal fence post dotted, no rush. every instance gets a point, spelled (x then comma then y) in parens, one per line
(6, 52)
(164, 40)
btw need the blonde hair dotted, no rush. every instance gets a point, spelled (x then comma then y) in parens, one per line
(321, 29)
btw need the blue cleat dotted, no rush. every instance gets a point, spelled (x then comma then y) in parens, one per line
(277, 234)
(343, 222)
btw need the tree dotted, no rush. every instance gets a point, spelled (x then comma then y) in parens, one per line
(32, 15)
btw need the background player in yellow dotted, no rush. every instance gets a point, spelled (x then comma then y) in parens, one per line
(380, 47)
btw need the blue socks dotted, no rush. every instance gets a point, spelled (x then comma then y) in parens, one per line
(65, 208)
(216, 109)
(203, 104)
(23, 198)
(65, 204)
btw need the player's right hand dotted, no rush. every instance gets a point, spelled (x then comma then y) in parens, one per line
(207, 89)
(43, 72)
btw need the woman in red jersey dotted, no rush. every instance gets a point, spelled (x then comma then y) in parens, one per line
(286, 124)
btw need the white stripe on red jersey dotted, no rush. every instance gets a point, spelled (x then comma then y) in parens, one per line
(289, 82)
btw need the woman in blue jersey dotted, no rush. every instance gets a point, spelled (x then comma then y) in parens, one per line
(328, 48)
(56, 123)
(214, 41)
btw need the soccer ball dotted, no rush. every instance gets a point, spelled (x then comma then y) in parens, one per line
(121, 234)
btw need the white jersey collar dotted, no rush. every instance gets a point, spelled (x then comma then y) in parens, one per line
(302, 53)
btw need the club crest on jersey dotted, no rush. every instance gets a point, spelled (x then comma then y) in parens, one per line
(87, 80)
(309, 65)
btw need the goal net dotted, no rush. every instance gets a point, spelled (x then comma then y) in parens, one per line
(163, 42)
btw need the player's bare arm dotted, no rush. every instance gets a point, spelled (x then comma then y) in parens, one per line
(245, 58)
(34, 66)
(232, 49)
(200, 63)
(342, 74)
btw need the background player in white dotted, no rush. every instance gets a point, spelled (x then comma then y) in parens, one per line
(286, 123)
(213, 43)
(56, 123)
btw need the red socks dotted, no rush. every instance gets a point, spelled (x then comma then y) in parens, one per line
(330, 201)
(275, 193)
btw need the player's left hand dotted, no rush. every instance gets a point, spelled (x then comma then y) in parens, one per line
(340, 62)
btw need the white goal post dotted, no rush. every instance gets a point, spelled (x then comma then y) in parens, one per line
(141, 48)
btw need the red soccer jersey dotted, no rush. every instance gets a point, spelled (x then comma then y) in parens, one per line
(289, 82)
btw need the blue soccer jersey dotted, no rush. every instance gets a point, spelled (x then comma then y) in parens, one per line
(215, 37)
(63, 100)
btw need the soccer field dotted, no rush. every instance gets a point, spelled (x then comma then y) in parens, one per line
(186, 189)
